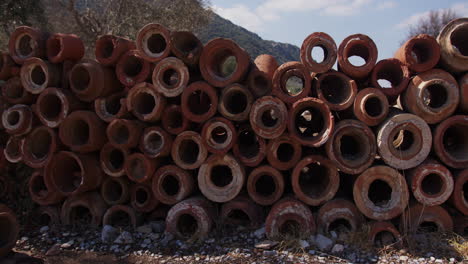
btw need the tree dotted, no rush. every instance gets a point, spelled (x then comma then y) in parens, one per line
(433, 23)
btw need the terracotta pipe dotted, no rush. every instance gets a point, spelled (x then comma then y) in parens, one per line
(261, 75)
(218, 56)
(54, 105)
(172, 184)
(336, 90)
(83, 209)
(145, 103)
(6, 187)
(327, 44)
(370, 106)
(112, 160)
(453, 51)
(395, 72)
(289, 218)
(140, 168)
(460, 225)
(221, 178)
(381, 193)
(450, 143)
(27, 42)
(235, 102)
(170, 77)
(110, 48)
(186, 46)
(83, 131)
(153, 42)
(419, 218)
(219, 135)
(155, 142)
(18, 120)
(42, 193)
(241, 211)
(9, 230)
(115, 190)
(420, 53)
(459, 197)
(199, 102)
(37, 75)
(383, 234)
(132, 69)
(124, 133)
(112, 107)
(173, 121)
(188, 151)
(268, 117)
(142, 198)
(39, 146)
(283, 152)
(12, 151)
(7, 66)
(340, 216)
(359, 45)
(48, 215)
(250, 148)
(463, 84)
(121, 216)
(62, 47)
(159, 214)
(14, 93)
(265, 185)
(291, 82)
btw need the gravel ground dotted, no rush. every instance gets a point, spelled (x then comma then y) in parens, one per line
(149, 245)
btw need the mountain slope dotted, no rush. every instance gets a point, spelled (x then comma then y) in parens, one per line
(251, 42)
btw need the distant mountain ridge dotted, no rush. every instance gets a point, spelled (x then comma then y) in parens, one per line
(251, 42)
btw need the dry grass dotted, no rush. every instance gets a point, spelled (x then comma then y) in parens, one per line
(460, 245)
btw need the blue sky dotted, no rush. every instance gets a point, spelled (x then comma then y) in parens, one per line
(291, 21)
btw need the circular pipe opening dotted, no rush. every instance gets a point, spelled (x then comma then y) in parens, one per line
(249, 146)
(455, 141)
(112, 191)
(309, 122)
(432, 184)
(435, 96)
(38, 76)
(116, 159)
(186, 43)
(153, 142)
(141, 196)
(358, 55)
(6, 231)
(380, 193)
(187, 225)
(459, 40)
(156, 43)
(219, 134)
(314, 180)
(107, 47)
(238, 217)
(25, 47)
(334, 89)
(188, 151)
(199, 102)
(39, 144)
(38, 186)
(44, 219)
(403, 140)
(351, 147)
(67, 173)
(50, 106)
(144, 103)
(80, 216)
(80, 78)
(224, 64)
(285, 152)
(78, 132)
(265, 185)
(290, 229)
(132, 66)
(170, 78)
(235, 102)
(13, 118)
(112, 105)
(319, 53)
(221, 175)
(384, 238)
(269, 117)
(389, 75)
(340, 226)
(294, 85)
(137, 169)
(120, 133)
(373, 106)
(421, 52)
(171, 185)
(120, 219)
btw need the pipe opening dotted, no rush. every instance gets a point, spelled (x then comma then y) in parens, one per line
(290, 229)
(67, 173)
(116, 159)
(427, 227)
(50, 106)
(221, 175)
(174, 119)
(351, 147)
(78, 132)
(335, 89)
(314, 180)
(261, 83)
(44, 219)
(171, 78)
(80, 216)
(285, 152)
(13, 118)
(380, 193)
(120, 218)
(80, 78)
(270, 117)
(265, 185)
(137, 169)
(340, 226)
(384, 238)
(38, 186)
(144, 103)
(235, 102)
(357, 55)
(403, 140)
(6, 231)
(120, 133)
(373, 106)
(459, 40)
(186, 43)
(187, 225)
(455, 141)
(156, 43)
(54, 47)
(13, 91)
(432, 184)
(141, 196)
(309, 122)
(13, 148)
(224, 64)
(170, 185)
(219, 134)
(421, 52)
(249, 146)
(188, 151)
(39, 145)
(199, 102)
(153, 142)
(435, 96)
(319, 53)
(389, 75)
(113, 191)
(294, 85)
(133, 66)
(112, 104)
(107, 48)
(238, 217)
(25, 47)
(465, 191)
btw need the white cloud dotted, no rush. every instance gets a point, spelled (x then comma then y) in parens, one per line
(460, 8)
(241, 15)
(387, 5)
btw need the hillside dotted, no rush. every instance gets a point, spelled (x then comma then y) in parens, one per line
(251, 42)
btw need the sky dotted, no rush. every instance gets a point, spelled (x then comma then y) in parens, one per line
(291, 21)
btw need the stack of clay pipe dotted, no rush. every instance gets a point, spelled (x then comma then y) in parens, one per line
(165, 127)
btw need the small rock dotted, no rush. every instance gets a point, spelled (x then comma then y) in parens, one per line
(24, 239)
(166, 239)
(269, 253)
(109, 234)
(44, 229)
(439, 261)
(158, 226)
(209, 241)
(403, 258)
(54, 250)
(124, 238)
(266, 244)
(259, 233)
(67, 244)
(145, 229)
(66, 234)
(312, 252)
(304, 244)
(338, 248)
(333, 234)
(452, 259)
(323, 242)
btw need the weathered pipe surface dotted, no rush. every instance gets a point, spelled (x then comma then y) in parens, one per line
(315, 180)
(241, 211)
(420, 53)
(218, 58)
(132, 69)
(260, 76)
(283, 152)
(268, 117)
(459, 197)
(112, 160)
(71, 173)
(41, 192)
(39, 146)
(432, 95)
(371, 106)
(221, 178)
(352, 146)
(453, 48)
(188, 151)
(323, 41)
(250, 149)
(9, 228)
(18, 120)
(173, 121)
(463, 85)
(121, 216)
(219, 135)
(53, 105)
(420, 218)
(339, 216)
(124, 133)
(155, 142)
(13, 92)
(83, 132)
(191, 219)
(109, 49)
(144, 101)
(7, 66)
(289, 218)
(431, 183)
(394, 72)
(115, 190)
(90, 80)
(383, 233)
(265, 185)
(235, 102)
(381, 193)
(170, 77)
(199, 102)
(153, 42)
(357, 45)
(172, 184)
(451, 143)
(86, 209)
(186, 46)
(140, 168)
(336, 90)
(310, 122)
(62, 47)
(142, 198)
(27, 42)
(12, 151)
(291, 82)
(112, 107)
(404, 140)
